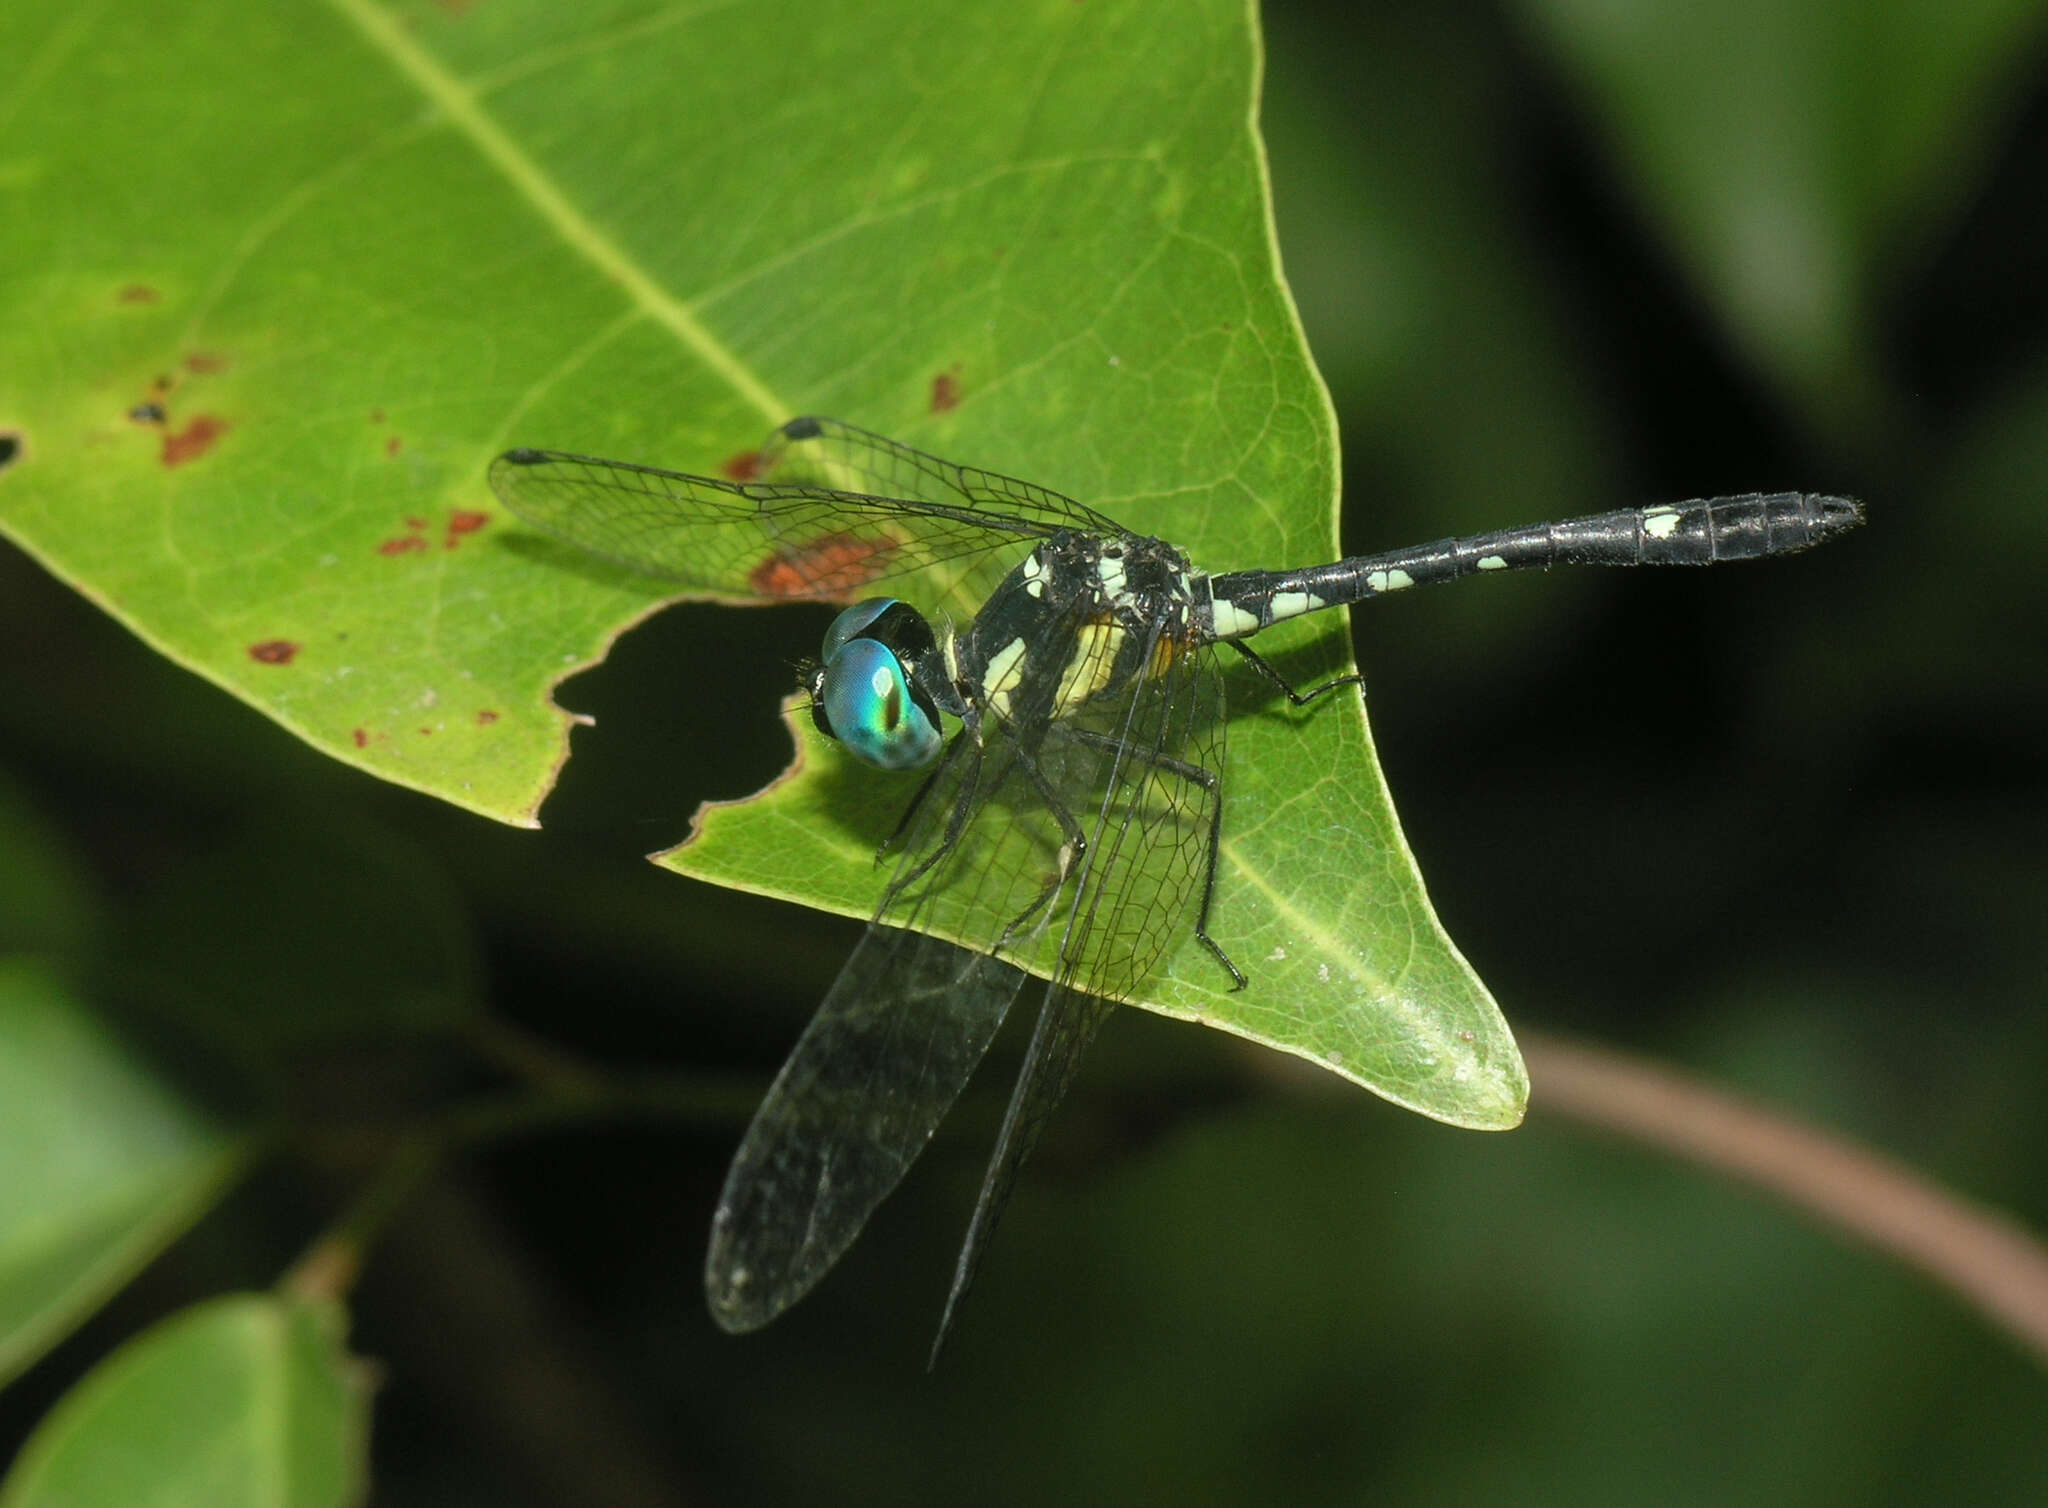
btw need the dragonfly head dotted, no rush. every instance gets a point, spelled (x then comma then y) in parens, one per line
(868, 692)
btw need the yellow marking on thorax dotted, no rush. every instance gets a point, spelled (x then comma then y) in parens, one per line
(1000, 678)
(1094, 662)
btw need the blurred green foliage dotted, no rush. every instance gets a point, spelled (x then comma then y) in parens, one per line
(1784, 826)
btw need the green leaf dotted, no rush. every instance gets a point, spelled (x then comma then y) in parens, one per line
(103, 1164)
(247, 1400)
(1035, 238)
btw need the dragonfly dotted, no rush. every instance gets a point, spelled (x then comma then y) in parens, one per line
(1054, 676)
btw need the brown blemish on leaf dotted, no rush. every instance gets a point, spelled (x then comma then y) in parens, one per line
(273, 652)
(361, 737)
(194, 440)
(393, 446)
(376, 416)
(147, 413)
(485, 717)
(946, 391)
(463, 521)
(743, 467)
(402, 544)
(205, 363)
(827, 568)
(138, 293)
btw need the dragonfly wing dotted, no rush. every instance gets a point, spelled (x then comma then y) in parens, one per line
(896, 1039)
(881, 1063)
(829, 453)
(764, 541)
(1145, 765)
(1067, 1023)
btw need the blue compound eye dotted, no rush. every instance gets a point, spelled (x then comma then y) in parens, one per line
(863, 699)
(856, 620)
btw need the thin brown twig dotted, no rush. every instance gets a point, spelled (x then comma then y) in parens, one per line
(1987, 1257)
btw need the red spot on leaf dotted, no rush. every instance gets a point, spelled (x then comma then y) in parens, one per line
(426, 733)
(463, 521)
(415, 523)
(194, 440)
(393, 445)
(402, 544)
(485, 717)
(138, 293)
(205, 363)
(273, 652)
(830, 567)
(946, 391)
(361, 737)
(743, 467)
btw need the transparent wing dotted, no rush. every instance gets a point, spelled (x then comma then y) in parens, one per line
(826, 512)
(876, 1071)
(988, 852)
(828, 453)
(895, 1041)
(1150, 761)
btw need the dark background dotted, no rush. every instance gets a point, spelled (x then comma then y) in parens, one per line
(1782, 825)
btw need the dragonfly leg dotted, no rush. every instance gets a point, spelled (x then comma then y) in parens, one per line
(964, 804)
(1209, 781)
(1299, 698)
(1072, 851)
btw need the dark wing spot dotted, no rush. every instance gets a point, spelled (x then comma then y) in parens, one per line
(273, 652)
(148, 413)
(743, 467)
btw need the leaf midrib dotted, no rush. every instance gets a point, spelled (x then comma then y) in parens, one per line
(459, 103)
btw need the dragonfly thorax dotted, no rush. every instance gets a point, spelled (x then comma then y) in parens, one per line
(1081, 617)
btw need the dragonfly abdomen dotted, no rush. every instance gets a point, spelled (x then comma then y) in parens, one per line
(1704, 532)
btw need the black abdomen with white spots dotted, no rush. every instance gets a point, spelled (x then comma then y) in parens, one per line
(1696, 533)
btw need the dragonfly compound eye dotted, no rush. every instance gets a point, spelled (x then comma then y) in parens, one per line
(855, 621)
(864, 699)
